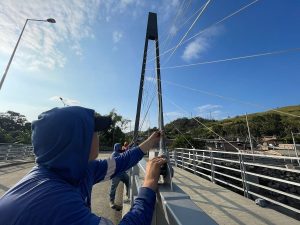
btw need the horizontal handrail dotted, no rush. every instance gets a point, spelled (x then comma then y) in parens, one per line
(10, 151)
(206, 164)
(250, 192)
(239, 153)
(246, 163)
(254, 184)
(254, 174)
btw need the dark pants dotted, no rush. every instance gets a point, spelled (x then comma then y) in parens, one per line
(114, 184)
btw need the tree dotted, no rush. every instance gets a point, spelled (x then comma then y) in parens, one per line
(187, 142)
(14, 127)
(115, 134)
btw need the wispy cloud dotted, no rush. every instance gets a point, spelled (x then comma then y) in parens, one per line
(167, 9)
(111, 8)
(209, 111)
(198, 46)
(117, 36)
(194, 49)
(39, 45)
(173, 30)
(173, 115)
(136, 8)
(64, 100)
(175, 3)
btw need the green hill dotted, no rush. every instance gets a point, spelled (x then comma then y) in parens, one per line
(279, 122)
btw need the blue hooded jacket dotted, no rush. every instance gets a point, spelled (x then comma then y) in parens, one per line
(58, 189)
(117, 150)
(116, 153)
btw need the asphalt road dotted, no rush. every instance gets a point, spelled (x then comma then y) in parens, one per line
(100, 200)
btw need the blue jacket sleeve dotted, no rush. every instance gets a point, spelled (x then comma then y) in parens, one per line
(142, 210)
(108, 168)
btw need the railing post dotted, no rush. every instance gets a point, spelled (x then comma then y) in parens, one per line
(243, 175)
(194, 161)
(182, 159)
(175, 157)
(245, 178)
(24, 152)
(212, 167)
(7, 152)
(133, 188)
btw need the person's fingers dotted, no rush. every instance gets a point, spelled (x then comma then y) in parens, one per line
(159, 161)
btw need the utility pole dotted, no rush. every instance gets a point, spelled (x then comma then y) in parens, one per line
(250, 140)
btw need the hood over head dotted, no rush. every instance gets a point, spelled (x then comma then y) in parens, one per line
(62, 138)
(118, 148)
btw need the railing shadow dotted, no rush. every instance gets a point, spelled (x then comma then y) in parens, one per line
(220, 207)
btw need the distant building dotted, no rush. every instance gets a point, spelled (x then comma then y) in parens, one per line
(286, 146)
(268, 142)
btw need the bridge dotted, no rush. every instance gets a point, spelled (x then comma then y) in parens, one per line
(198, 186)
(202, 190)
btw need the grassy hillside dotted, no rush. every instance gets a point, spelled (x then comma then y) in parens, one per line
(283, 112)
(268, 123)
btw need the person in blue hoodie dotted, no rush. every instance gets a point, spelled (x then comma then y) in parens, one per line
(57, 191)
(116, 180)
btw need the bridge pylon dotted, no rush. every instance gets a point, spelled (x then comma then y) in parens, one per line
(152, 34)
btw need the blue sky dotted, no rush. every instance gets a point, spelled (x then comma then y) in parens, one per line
(92, 56)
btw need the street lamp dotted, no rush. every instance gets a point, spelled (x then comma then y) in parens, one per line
(50, 20)
(63, 101)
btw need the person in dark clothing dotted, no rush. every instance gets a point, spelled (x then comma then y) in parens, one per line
(57, 191)
(116, 180)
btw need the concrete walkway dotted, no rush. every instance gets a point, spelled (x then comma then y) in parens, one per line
(225, 206)
(10, 175)
(9, 163)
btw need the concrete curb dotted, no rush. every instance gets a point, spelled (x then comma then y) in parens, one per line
(15, 164)
(126, 205)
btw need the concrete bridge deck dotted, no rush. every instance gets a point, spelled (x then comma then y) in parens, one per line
(222, 205)
(225, 206)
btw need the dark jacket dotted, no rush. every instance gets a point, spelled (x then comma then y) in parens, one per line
(57, 191)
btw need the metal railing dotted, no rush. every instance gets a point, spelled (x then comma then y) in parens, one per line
(15, 152)
(253, 175)
(173, 206)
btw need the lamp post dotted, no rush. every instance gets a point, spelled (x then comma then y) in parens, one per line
(50, 20)
(63, 101)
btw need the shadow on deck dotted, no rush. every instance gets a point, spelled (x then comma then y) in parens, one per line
(225, 206)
